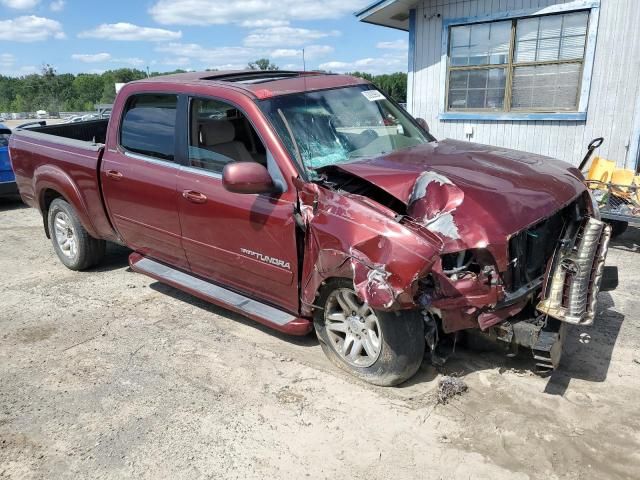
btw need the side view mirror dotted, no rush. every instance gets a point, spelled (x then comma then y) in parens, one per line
(247, 177)
(423, 123)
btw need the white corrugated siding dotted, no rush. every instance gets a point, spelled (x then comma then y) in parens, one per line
(614, 87)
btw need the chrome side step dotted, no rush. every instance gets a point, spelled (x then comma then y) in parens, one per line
(257, 310)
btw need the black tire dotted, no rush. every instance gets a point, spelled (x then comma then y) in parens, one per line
(88, 251)
(618, 227)
(401, 348)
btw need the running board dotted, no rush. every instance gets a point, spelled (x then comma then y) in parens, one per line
(254, 309)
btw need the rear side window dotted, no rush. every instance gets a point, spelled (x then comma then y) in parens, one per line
(4, 139)
(149, 125)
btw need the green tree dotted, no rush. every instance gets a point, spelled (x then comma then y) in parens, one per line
(263, 64)
(394, 84)
(18, 104)
(88, 90)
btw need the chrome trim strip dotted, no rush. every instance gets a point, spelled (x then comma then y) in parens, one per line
(156, 161)
(201, 171)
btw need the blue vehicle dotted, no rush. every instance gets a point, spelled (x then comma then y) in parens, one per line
(7, 178)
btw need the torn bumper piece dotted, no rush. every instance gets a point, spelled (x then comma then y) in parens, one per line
(572, 293)
(544, 339)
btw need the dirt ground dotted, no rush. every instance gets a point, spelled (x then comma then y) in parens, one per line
(109, 374)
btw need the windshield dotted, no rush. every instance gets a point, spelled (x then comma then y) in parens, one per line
(331, 127)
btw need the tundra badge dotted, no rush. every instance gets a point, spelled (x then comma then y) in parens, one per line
(266, 259)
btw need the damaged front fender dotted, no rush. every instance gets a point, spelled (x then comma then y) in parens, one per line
(347, 236)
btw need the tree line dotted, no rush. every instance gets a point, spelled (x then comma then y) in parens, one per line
(66, 92)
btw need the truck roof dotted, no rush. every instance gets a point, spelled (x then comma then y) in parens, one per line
(261, 83)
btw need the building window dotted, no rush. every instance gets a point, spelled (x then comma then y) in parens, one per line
(522, 65)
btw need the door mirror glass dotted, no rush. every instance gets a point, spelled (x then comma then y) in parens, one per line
(423, 123)
(247, 177)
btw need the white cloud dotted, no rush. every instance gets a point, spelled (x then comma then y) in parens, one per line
(292, 66)
(130, 32)
(310, 51)
(7, 60)
(177, 62)
(385, 64)
(217, 12)
(263, 23)
(106, 57)
(229, 66)
(8, 66)
(286, 53)
(289, 36)
(231, 58)
(20, 4)
(30, 29)
(57, 5)
(216, 57)
(91, 57)
(394, 45)
(133, 61)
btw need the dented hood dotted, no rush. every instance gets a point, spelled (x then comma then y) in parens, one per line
(469, 194)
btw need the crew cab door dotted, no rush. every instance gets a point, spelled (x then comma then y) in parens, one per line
(245, 241)
(139, 175)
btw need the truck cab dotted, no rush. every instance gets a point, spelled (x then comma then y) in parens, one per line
(168, 158)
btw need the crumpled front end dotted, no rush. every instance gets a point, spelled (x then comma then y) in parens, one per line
(447, 250)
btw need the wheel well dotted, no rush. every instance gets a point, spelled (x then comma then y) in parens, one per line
(330, 282)
(48, 196)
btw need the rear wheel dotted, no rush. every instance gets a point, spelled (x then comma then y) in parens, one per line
(383, 348)
(75, 248)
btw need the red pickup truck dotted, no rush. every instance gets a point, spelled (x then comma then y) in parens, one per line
(307, 200)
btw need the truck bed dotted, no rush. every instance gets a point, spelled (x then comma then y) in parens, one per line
(67, 157)
(93, 132)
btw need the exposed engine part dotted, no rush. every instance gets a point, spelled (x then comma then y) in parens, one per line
(430, 332)
(441, 345)
(463, 260)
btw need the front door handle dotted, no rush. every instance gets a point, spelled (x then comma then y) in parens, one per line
(194, 197)
(114, 174)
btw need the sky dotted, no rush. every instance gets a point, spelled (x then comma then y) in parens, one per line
(97, 35)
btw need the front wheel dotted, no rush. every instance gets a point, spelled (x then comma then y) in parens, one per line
(383, 348)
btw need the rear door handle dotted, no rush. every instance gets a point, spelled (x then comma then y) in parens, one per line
(114, 174)
(194, 197)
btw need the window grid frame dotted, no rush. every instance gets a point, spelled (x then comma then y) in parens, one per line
(510, 67)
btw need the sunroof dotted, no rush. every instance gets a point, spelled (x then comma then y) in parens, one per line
(254, 77)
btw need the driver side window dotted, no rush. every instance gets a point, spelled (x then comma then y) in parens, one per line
(219, 134)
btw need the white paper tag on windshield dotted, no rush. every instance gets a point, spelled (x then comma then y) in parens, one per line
(373, 95)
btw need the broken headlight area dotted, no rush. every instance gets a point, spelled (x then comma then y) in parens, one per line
(466, 295)
(461, 293)
(460, 288)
